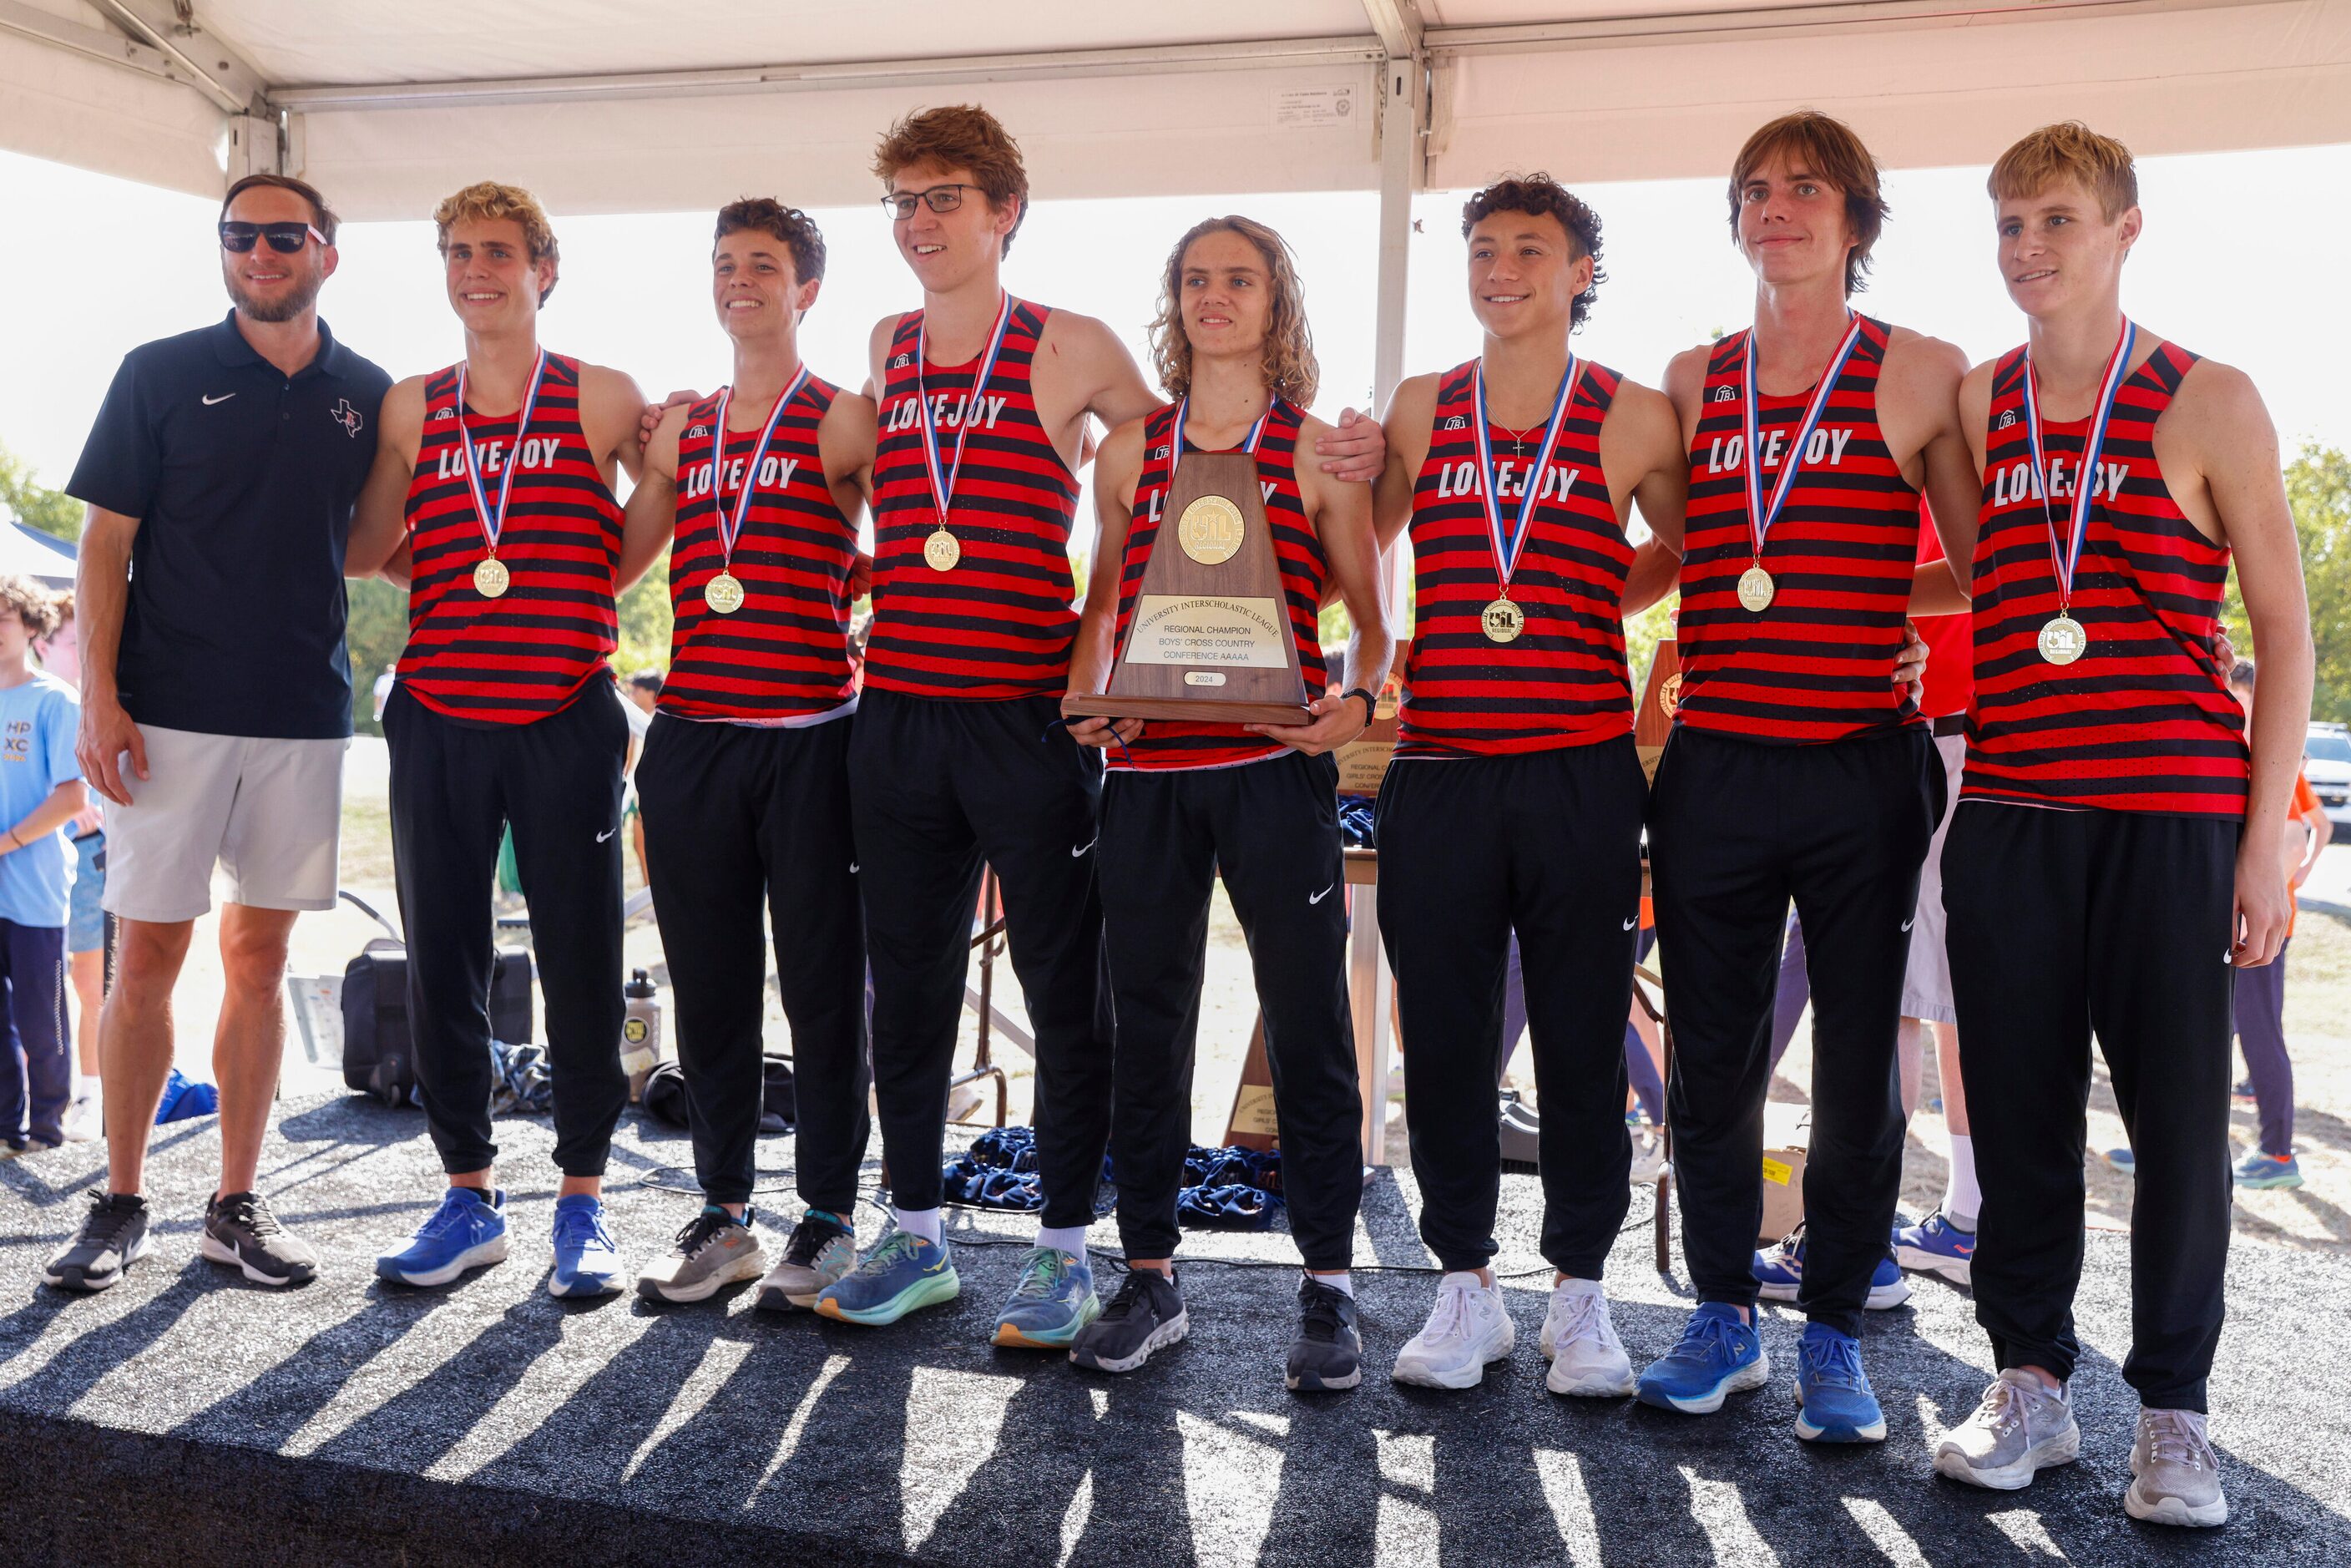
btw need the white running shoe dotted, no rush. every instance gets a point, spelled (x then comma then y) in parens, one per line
(84, 1121)
(2175, 1479)
(1581, 1343)
(1468, 1328)
(1648, 1156)
(2023, 1425)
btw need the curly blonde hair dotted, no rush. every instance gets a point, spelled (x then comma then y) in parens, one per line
(1291, 369)
(35, 606)
(488, 201)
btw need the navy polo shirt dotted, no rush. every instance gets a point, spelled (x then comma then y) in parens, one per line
(244, 482)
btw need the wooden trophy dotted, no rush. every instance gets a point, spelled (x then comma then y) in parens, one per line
(1210, 637)
(1653, 721)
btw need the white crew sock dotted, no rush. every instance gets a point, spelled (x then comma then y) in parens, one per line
(85, 1086)
(1342, 1283)
(922, 1222)
(1070, 1238)
(1962, 1198)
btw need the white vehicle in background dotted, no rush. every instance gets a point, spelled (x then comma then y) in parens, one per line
(2326, 763)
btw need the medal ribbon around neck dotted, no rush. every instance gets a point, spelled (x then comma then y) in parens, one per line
(2065, 553)
(731, 521)
(494, 523)
(1506, 550)
(1176, 446)
(943, 476)
(1759, 519)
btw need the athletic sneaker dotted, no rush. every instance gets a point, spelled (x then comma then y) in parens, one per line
(587, 1260)
(1718, 1355)
(2124, 1160)
(85, 1120)
(113, 1237)
(1146, 1315)
(1648, 1155)
(1467, 1329)
(822, 1250)
(1780, 1275)
(1936, 1246)
(1833, 1404)
(467, 1231)
(1580, 1340)
(2259, 1168)
(2022, 1426)
(2176, 1478)
(1328, 1354)
(241, 1230)
(903, 1274)
(714, 1251)
(1050, 1301)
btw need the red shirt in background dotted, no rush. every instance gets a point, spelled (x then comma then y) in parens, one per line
(1949, 680)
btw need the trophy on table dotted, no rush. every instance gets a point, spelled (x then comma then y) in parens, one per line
(1210, 637)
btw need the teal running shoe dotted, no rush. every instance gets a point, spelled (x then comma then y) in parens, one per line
(1052, 1300)
(902, 1275)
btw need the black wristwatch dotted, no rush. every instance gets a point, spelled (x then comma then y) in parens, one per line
(1370, 706)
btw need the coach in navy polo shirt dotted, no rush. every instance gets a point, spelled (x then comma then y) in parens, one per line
(216, 695)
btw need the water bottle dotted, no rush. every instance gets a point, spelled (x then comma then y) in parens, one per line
(639, 1034)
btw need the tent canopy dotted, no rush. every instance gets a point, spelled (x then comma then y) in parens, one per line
(622, 106)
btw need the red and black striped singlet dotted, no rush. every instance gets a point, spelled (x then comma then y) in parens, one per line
(524, 655)
(1165, 744)
(1562, 682)
(1001, 622)
(2144, 720)
(784, 655)
(1817, 664)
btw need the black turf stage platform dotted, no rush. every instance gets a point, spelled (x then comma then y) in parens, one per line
(187, 1418)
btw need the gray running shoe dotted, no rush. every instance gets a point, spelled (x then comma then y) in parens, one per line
(2023, 1425)
(241, 1231)
(2178, 1480)
(1146, 1315)
(112, 1238)
(714, 1251)
(822, 1250)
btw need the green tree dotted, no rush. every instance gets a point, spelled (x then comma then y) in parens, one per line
(2318, 488)
(646, 623)
(52, 511)
(373, 636)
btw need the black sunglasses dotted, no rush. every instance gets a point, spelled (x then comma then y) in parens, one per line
(938, 198)
(284, 239)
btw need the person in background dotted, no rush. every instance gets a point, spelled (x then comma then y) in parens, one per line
(383, 683)
(637, 695)
(60, 654)
(40, 791)
(2261, 993)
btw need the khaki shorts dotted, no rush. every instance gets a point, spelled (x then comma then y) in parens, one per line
(1927, 982)
(268, 811)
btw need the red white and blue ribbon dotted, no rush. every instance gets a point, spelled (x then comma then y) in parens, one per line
(1506, 550)
(943, 475)
(1175, 445)
(493, 522)
(2065, 552)
(1759, 518)
(730, 522)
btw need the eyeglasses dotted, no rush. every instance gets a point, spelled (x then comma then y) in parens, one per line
(284, 239)
(938, 198)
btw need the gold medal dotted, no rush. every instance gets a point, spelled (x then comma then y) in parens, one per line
(724, 594)
(1755, 588)
(2062, 641)
(942, 551)
(1502, 620)
(1211, 530)
(491, 577)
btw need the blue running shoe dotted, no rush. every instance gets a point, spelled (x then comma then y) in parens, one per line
(587, 1263)
(1053, 1299)
(1780, 1275)
(467, 1231)
(1936, 1246)
(904, 1273)
(2123, 1160)
(1833, 1404)
(2259, 1168)
(1718, 1355)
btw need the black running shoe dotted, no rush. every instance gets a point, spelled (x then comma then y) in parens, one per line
(241, 1231)
(1146, 1315)
(1327, 1353)
(113, 1238)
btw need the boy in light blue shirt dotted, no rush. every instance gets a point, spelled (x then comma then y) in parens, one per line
(40, 791)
